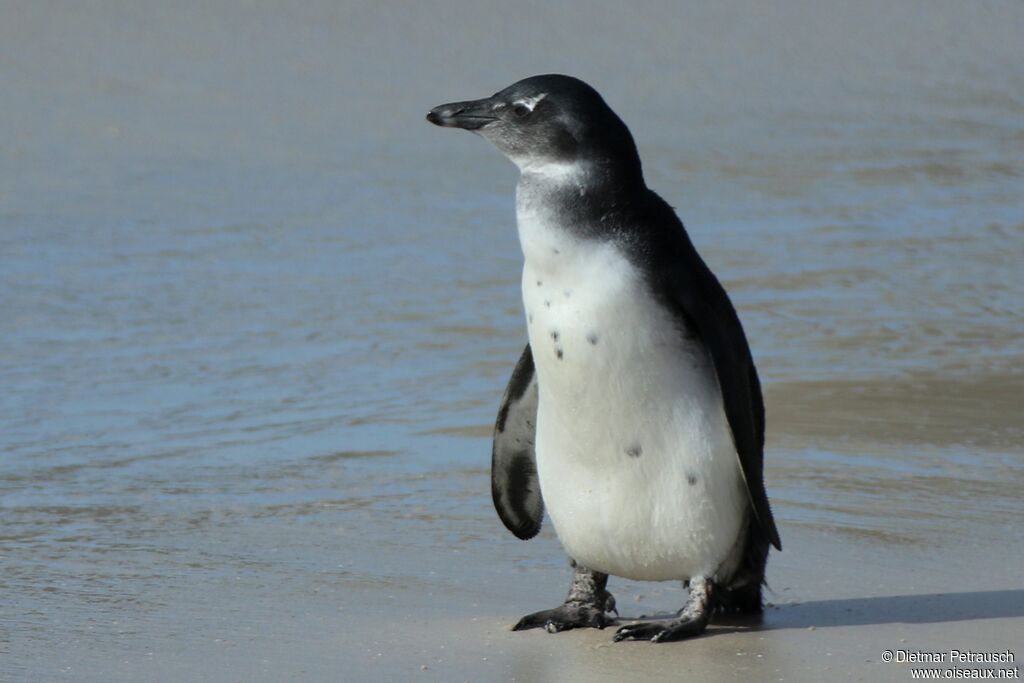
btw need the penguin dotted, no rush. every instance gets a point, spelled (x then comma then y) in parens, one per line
(634, 416)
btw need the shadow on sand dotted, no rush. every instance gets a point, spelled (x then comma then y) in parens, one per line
(928, 608)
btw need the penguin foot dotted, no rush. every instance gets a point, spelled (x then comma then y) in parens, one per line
(568, 616)
(692, 621)
(661, 631)
(586, 606)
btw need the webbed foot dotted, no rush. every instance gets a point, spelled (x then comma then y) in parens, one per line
(692, 621)
(568, 616)
(586, 606)
(661, 631)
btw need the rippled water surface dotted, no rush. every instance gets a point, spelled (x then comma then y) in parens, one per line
(257, 315)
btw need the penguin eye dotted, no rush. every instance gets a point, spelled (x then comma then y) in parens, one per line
(521, 111)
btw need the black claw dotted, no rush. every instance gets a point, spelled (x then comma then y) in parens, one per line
(556, 626)
(609, 603)
(634, 632)
(649, 631)
(661, 631)
(564, 618)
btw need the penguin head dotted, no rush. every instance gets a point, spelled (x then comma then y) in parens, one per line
(543, 120)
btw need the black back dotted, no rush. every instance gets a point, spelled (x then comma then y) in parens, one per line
(677, 276)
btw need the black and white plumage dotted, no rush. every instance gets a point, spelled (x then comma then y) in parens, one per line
(634, 416)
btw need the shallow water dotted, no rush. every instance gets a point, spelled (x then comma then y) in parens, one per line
(257, 314)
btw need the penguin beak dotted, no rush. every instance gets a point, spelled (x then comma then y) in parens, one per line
(469, 115)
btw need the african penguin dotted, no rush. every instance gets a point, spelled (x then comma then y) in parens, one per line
(634, 415)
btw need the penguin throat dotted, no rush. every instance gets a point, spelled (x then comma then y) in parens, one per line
(553, 173)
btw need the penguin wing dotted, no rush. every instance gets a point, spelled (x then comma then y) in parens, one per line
(515, 487)
(701, 301)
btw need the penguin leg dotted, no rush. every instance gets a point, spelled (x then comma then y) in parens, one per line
(692, 619)
(584, 607)
(742, 595)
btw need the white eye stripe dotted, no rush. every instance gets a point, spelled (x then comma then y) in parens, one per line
(530, 102)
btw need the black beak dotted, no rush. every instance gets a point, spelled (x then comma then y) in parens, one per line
(469, 115)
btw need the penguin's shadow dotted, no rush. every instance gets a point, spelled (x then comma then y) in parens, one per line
(927, 608)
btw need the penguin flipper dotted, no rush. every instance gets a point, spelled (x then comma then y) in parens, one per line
(699, 299)
(515, 487)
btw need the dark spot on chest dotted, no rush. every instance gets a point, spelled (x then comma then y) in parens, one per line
(634, 451)
(691, 478)
(547, 303)
(567, 293)
(592, 338)
(540, 283)
(554, 334)
(558, 352)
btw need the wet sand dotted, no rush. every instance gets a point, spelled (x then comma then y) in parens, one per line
(258, 316)
(423, 586)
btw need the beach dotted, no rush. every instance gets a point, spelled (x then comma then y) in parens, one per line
(258, 316)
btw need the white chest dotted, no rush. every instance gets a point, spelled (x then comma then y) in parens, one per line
(636, 462)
